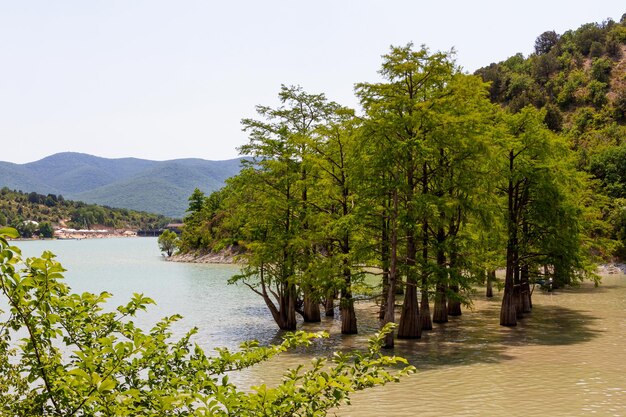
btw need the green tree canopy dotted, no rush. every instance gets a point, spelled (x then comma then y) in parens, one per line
(168, 242)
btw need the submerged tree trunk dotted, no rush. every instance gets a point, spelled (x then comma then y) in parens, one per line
(409, 327)
(491, 277)
(384, 257)
(311, 308)
(346, 304)
(426, 322)
(454, 303)
(383, 295)
(393, 271)
(517, 292)
(517, 299)
(508, 312)
(525, 289)
(425, 319)
(285, 314)
(440, 314)
(348, 316)
(329, 304)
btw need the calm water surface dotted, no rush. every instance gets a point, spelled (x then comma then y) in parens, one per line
(568, 358)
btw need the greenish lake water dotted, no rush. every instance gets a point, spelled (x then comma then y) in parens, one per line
(567, 358)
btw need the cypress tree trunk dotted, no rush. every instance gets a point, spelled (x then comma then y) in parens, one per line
(517, 300)
(440, 314)
(311, 303)
(291, 308)
(329, 305)
(383, 296)
(454, 303)
(384, 257)
(425, 319)
(285, 315)
(280, 313)
(393, 271)
(348, 316)
(517, 293)
(491, 275)
(559, 279)
(311, 308)
(525, 289)
(426, 322)
(508, 312)
(409, 327)
(391, 296)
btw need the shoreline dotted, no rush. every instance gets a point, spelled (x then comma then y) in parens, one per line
(225, 256)
(611, 268)
(77, 236)
(228, 257)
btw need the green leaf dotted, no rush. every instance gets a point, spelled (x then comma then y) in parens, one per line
(9, 232)
(107, 385)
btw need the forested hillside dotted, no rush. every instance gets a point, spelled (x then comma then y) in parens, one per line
(138, 184)
(445, 178)
(578, 79)
(21, 210)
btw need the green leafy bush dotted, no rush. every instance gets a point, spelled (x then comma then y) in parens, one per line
(64, 354)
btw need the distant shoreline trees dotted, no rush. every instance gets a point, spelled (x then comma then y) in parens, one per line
(17, 207)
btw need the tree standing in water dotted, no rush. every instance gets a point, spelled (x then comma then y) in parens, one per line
(168, 242)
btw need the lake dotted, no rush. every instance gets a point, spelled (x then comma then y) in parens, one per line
(567, 358)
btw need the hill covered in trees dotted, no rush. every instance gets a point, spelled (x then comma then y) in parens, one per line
(138, 184)
(444, 178)
(23, 211)
(578, 79)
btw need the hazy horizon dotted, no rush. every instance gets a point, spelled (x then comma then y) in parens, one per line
(119, 157)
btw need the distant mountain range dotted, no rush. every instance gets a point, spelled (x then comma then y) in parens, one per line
(161, 187)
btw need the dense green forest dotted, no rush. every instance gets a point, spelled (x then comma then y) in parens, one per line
(442, 179)
(17, 208)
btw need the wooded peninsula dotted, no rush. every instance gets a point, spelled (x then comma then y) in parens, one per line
(443, 178)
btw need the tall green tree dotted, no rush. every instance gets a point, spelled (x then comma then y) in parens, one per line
(168, 242)
(428, 127)
(395, 110)
(336, 205)
(543, 210)
(281, 246)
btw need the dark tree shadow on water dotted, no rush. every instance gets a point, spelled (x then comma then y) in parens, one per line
(553, 325)
(475, 337)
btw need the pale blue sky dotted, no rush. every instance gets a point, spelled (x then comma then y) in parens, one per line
(161, 79)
